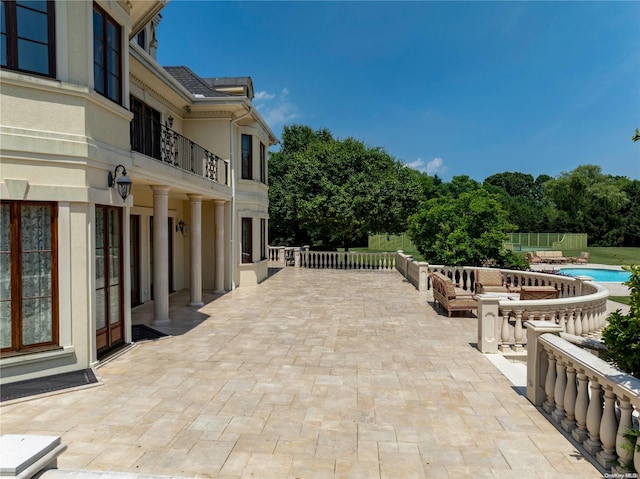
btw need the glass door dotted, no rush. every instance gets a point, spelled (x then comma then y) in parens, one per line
(109, 307)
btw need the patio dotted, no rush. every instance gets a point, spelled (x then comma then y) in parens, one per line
(312, 374)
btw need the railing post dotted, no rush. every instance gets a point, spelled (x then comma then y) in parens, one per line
(535, 382)
(489, 324)
(296, 258)
(423, 276)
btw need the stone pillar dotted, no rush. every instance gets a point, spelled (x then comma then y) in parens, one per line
(423, 275)
(160, 255)
(488, 324)
(195, 234)
(535, 383)
(219, 241)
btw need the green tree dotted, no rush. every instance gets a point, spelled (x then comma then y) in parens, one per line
(466, 230)
(588, 201)
(622, 333)
(335, 192)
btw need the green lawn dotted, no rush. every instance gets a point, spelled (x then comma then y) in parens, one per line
(621, 299)
(600, 255)
(610, 255)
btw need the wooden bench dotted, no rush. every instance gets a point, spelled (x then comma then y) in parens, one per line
(444, 293)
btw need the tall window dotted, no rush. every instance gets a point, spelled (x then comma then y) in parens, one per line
(27, 36)
(28, 276)
(145, 129)
(247, 240)
(263, 163)
(247, 157)
(107, 54)
(263, 238)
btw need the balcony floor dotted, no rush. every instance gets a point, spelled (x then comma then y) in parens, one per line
(312, 374)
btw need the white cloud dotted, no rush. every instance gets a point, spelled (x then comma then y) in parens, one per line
(416, 165)
(263, 95)
(434, 167)
(276, 110)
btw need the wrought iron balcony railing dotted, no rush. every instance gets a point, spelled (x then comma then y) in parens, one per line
(153, 139)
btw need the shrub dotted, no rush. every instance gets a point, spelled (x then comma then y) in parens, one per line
(622, 334)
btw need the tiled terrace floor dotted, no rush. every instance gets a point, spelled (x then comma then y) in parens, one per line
(313, 374)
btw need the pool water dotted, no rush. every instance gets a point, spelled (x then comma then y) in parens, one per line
(598, 275)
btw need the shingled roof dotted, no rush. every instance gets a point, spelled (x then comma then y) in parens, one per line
(193, 83)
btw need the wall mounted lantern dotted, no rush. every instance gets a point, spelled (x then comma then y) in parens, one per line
(181, 226)
(124, 182)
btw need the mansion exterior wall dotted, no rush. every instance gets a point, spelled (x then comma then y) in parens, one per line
(59, 139)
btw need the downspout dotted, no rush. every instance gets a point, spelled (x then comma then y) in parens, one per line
(232, 154)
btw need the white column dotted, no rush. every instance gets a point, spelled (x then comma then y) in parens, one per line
(160, 255)
(219, 262)
(195, 202)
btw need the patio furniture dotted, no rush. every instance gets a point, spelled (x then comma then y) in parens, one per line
(551, 256)
(533, 259)
(490, 281)
(539, 292)
(444, 293)
(583, 258)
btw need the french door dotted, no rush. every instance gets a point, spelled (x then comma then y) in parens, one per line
(109, 275)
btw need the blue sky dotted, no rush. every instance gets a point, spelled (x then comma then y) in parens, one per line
(451, 88)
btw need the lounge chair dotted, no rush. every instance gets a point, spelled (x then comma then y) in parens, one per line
(533, 259)
(583, 258)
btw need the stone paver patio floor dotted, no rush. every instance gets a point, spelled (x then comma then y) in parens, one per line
(312, 374)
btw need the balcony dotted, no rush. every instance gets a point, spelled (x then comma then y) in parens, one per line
(156, 140)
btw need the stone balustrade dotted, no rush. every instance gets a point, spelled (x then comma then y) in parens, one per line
(593, 401)
(580, 309)
(347, 260)
(580, 312)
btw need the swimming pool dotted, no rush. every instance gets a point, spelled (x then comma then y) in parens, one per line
(599, 275)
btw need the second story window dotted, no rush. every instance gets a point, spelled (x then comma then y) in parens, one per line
(107, 55)
(247, 157)
(145, 129)
(27, 37)
(263, 163)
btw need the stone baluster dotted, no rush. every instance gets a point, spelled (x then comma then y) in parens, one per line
(559, 391)
(592, 321)
(504, 333)
(624, 448)
(550, 383)
(571, 327)
(580, 433)
(578, 321)
(608, 430)
(594, 415)
(518, 332)
(570, 395)
(585, 323)
(560, 314)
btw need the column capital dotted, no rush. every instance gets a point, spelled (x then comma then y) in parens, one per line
(195, 197)
(160, 189)
(219, 202)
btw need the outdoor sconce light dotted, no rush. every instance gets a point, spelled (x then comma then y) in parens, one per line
(124, 182)
(180, 227)
(170, 121)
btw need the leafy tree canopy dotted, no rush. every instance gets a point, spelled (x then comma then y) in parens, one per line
(331, 191)
(466, 230)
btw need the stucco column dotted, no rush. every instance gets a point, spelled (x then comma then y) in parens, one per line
(219, 262)
(195, 202)
(160, 255)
